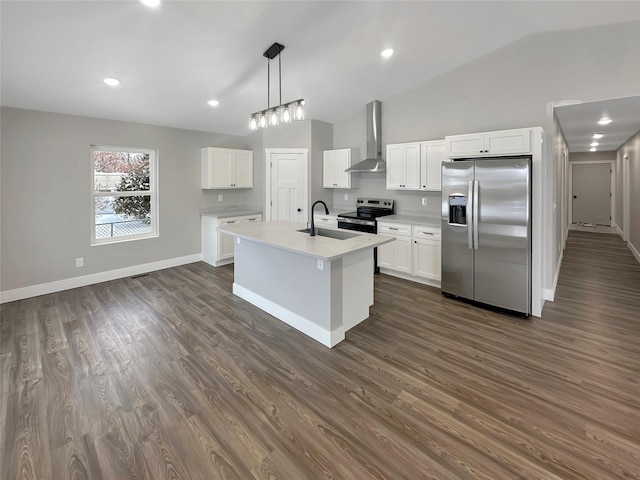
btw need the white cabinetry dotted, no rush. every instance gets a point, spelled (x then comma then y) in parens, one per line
(334, 164)
(426, 252)
(415, 253)
(403, 166)
(395, 255)
(226, 168)
(217, 248)
(503, 142)
(415, 166)
(431, 158)
(326, 221)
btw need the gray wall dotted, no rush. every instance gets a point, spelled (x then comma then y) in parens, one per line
(46, 185)
(313, 135)
(632, 148)
(509, 88)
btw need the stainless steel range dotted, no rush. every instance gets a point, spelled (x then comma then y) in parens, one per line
(364, 218)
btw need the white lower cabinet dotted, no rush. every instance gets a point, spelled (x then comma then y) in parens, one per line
(415, 253)
(325, 221)
(217, 248)
(426, 252)
(395, 255)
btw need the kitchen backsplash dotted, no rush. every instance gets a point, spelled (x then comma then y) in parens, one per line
(375, 185)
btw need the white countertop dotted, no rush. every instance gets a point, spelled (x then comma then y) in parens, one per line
(229, 211)
(412, 220)
(284, 235)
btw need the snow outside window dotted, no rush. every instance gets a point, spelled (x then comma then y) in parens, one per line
(123, 194)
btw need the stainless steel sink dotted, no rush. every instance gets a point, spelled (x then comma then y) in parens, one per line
(326, 232)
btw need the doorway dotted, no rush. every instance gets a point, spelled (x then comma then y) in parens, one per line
(591, 193)
(286, 190)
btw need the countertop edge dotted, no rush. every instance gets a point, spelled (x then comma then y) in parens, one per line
(376, 242)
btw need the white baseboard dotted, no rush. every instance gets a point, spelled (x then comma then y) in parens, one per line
(618, 229)
(83, 281)
(412, 278)
(326, 337)
(634, 251)
(550, 293)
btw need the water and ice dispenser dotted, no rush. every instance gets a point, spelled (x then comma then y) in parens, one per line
(457, 209)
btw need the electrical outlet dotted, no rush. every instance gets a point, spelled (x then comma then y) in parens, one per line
(424, 201)
(346, 196)
(320, 264)
(79, 262)
(219, 198)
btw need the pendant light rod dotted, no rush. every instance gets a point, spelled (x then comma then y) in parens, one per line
(280, 76)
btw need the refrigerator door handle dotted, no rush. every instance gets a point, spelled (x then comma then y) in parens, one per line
(470, 210)
(476, 210)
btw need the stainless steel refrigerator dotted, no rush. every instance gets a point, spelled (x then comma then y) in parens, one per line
(486, 231)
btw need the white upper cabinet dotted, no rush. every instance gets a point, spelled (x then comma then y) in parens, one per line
(226, 168)
(334, 164)
(431, 158)
(489, 144)
(403, 166)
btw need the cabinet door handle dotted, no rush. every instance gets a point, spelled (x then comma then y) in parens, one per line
(299, 209)
(231, 221)
(251, 219)
(428, 233)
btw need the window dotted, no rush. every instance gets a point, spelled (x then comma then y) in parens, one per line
(124, 200)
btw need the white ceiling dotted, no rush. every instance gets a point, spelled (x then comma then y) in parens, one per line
(579, 123)
(172, 59)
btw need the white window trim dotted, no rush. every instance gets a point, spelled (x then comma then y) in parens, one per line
(152, 192)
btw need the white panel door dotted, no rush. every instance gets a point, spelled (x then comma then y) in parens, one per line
(591, 188)
(287, 187)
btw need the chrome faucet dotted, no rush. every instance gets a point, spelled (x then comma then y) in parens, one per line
(312, 230)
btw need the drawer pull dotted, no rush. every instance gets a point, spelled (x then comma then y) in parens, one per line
(393, 228)
(428, 233)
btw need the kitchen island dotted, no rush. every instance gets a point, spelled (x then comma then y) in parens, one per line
(320, 285)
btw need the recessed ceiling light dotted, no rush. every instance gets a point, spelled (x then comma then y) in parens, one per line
(605, 120)
(151, 3)
(213, 103)
(387, 53)
(593, 149)
(112, 82)
(598, 135)
(594, 144)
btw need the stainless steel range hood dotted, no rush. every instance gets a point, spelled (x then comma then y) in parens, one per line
(374, 161)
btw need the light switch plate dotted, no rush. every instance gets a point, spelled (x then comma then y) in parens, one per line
(346, 196)
(424, 201)
(320, 264)
(219, 198)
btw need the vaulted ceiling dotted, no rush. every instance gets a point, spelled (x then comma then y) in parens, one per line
(172, 59)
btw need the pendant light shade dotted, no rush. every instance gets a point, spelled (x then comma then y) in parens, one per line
(285, 117)
(282, 113)
(262, 120)
(299, 111)
(273, 118)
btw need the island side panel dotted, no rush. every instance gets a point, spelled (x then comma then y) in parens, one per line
(292, 288)
(357, 287)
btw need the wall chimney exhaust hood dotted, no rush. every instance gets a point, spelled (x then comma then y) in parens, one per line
(374, 161)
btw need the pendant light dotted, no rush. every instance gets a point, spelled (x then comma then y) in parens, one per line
(283, 113)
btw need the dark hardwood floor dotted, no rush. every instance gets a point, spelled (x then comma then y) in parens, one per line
(169, 376)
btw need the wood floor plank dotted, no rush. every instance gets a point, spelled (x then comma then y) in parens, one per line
(169, 375)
